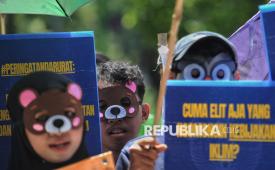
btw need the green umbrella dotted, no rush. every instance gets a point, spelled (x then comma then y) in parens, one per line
(47, 7)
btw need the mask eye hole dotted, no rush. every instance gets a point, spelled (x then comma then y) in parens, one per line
(193, 72)
(70, 114)
(125, 102)
(102, 105)
(221, 72)
(41, 118)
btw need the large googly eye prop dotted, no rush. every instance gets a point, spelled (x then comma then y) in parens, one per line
(131, 85)
(222, 72)
(58, 124)
(75, 90)
(193, 72)
(115, 112)
(27, 96)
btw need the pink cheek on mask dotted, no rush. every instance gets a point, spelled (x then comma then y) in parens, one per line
(100, 115)
(76, 121)
(38, 127)
(131, 110)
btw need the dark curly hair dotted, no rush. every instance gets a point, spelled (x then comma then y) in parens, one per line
(113, 72)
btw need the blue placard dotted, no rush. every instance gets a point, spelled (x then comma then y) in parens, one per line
(69, 53)
(268, 18)
(220, 125)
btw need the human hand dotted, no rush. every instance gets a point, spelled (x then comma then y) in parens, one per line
(144, 153)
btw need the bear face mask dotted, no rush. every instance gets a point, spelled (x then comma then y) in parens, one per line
(118, 102)
(53, 111)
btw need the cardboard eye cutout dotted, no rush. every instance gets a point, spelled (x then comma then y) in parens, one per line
(27, 96)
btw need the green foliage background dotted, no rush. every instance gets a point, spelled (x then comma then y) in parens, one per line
(127, 29)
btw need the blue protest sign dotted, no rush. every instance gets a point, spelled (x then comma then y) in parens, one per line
(268, 18)
(220, 125)
(72, 54)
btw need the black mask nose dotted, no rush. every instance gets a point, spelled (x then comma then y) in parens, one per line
(115, 110)
(58, 123)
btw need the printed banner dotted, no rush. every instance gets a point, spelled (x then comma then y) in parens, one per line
(220, 125)
(71, 53)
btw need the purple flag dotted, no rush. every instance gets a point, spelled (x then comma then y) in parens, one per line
(252, 59)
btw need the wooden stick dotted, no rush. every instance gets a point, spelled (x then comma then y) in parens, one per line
(3, 23)
(176, 19)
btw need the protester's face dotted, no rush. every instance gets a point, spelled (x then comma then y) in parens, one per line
(53, 122)
(58, 147)
(116, 133)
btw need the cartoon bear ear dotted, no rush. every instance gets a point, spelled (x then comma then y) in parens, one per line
(27, 96)
(132, 86)
(75, 90)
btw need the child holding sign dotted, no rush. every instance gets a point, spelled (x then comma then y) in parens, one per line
(121, 92)
(47, 118)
